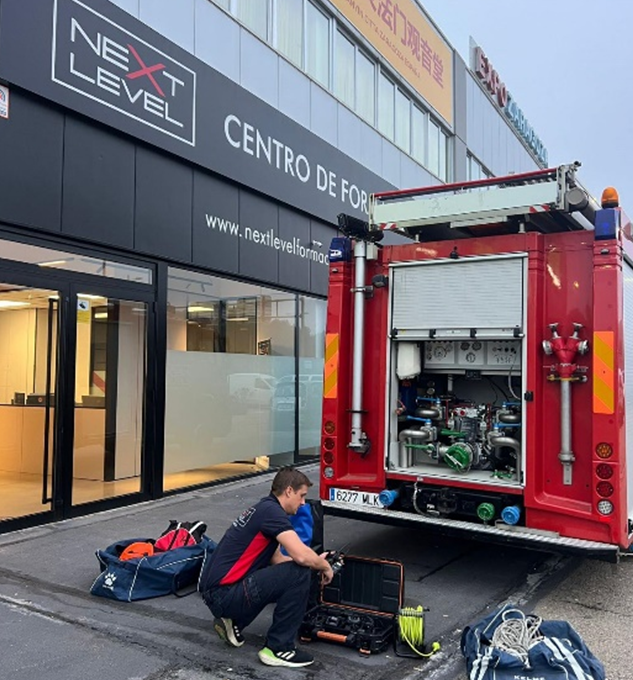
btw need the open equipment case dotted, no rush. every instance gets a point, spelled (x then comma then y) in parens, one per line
(359, 607)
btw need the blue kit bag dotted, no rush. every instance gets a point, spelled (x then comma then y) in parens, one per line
(162, 573)
(510, 645)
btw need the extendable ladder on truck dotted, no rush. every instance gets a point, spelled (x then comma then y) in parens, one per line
(547, 201)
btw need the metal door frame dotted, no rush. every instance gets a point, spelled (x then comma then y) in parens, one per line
(69, 284)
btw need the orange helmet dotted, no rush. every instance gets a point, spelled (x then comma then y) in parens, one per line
(135, 551)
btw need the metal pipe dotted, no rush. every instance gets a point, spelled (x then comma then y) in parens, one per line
(358, 440)
(428, 412)
(424, 435)
(566, 455)
(496, 440)
(509, 417)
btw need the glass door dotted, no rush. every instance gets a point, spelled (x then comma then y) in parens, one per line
(29, 341)
(75, 335)
(110, 384)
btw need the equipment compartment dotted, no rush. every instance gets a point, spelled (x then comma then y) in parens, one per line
(461, 416)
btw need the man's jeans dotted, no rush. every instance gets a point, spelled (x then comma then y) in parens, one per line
(287, 584)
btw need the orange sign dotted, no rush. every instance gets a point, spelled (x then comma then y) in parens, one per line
(404, 36)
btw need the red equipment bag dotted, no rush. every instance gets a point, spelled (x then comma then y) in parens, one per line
(180, 535)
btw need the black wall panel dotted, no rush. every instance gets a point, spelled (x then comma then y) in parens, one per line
(294, 270)
(98, 185)
(31, 143)
(215, 223)
(164, 191)
(259, 225)
(128, 196)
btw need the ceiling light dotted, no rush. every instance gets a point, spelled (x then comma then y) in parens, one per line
(199, 308)
(52, 263)
(13, 304)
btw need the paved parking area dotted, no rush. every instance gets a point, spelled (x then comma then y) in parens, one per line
(55, 629)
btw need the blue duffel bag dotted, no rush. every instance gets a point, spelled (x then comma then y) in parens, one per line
(162, 573)
(509, 644)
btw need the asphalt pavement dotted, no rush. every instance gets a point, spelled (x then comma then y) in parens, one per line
(53, 629)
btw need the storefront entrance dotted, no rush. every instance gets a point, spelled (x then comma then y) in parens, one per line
(75, 336)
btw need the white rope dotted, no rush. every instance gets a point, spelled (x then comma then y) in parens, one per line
(516, 635)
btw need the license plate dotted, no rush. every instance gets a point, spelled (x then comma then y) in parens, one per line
(355, 497)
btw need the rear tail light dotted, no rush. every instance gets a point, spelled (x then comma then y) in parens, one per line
(604, 450)
(328, 443)
(604, 471)
(604, 489)
(328, 458)
(329, 427)
(605, 507)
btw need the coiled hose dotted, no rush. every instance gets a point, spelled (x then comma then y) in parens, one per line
(411, 630)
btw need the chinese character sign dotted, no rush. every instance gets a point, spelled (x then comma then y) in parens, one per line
(402, 34)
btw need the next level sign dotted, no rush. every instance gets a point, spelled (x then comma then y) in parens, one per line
(490, 79)
(99, 59)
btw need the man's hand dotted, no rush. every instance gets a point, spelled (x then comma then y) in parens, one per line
(327, 576)
(305, 556)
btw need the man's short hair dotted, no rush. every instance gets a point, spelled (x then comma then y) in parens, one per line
(286, 477)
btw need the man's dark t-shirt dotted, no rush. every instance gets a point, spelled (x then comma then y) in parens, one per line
(248, 545)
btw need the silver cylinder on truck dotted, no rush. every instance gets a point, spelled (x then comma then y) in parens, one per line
(566, 455)
(358, 440)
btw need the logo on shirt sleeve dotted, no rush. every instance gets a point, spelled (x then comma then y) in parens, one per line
(244, 518)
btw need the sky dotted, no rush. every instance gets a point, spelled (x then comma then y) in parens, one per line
(569, 67)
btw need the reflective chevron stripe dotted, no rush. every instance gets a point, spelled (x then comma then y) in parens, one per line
(603, 372)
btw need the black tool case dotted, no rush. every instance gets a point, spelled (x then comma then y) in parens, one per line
(358, 609)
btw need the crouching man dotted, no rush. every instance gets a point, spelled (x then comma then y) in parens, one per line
(247, 571)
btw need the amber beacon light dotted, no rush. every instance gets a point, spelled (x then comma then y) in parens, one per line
(610, 198)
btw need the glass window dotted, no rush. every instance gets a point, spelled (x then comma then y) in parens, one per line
(386, 106)
(254, 14)
(57, 259)
(470, 167)
(365, 87)
(344, 70)
(443, 166)
(434, 145)
(230, 358)
(311, 358)
(317, 45)
(418, 134)
(475, 171)
(403, 121)
(289, 29)
(222, 3)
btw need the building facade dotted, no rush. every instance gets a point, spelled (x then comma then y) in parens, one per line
(170, 180)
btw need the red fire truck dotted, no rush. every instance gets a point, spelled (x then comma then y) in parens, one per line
(477, 374)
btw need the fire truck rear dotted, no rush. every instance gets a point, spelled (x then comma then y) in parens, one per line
(477, 374)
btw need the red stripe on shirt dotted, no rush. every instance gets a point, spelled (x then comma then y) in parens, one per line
(245, 562)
